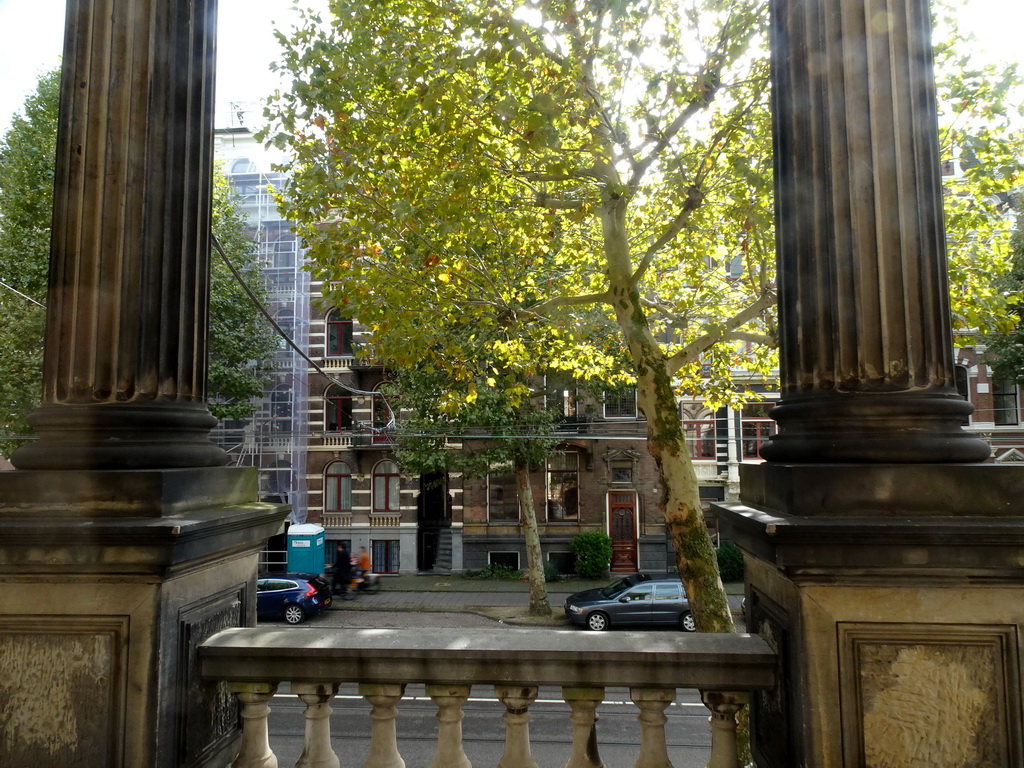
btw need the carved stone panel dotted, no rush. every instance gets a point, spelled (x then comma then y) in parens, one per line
(208, 713)
(930, 696)
(771, 710)
(62, 690)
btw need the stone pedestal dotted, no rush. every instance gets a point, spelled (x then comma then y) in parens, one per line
(892, 595)
(109, 581)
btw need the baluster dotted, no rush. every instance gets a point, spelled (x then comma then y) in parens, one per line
(254, 751)
(723, 705)
(449, 700)
(517, 700)
(583, 703)
(317, 752)
(383, 735)
(652, 703)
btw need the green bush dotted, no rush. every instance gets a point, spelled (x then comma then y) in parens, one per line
(730, 562)
(500, 572)
(593, 553)
(551, 572)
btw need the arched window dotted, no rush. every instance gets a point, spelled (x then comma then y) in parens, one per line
(338, 410)
(381, 406)
(337, 487)
(385, 487)
(339, 335)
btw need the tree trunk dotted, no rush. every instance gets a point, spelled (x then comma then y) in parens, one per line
(539, 605)
(695, 554)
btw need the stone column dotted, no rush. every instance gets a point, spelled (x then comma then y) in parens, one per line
(119, 519)
(865, 344)
(882, 563)
(125, 358)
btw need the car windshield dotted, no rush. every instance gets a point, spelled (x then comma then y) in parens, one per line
(615, 588)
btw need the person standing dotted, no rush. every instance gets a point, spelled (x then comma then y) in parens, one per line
(342, 572)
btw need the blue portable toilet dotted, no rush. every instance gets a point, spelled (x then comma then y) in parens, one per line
(306, 549)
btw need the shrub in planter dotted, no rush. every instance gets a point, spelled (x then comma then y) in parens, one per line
(730, 562)
(593, 553)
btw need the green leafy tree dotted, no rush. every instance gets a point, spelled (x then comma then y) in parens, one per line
(981, 111)
(515, 434)
(588, 181)
(1005, 351)
(590, 178)
(239, 337)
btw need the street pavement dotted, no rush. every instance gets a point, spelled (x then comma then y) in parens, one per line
(454, 601)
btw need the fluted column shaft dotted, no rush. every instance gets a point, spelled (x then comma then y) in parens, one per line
(125, 358)
(865, 342)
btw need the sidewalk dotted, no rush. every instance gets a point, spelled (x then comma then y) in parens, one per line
(459, 594)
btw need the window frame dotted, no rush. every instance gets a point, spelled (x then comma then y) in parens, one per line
(1005, 391)
(390, 492)
(620, 396)
(560, 473)
(343, 342)
(338, 480)
(340, 404)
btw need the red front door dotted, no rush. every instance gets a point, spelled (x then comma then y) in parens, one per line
(622, 529)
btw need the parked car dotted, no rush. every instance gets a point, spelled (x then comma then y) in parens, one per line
(636, 600)
(293, 597)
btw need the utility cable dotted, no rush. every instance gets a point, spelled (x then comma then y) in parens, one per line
(281, 332)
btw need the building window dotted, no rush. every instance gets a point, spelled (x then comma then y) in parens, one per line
(502, 497)
(338, 412)
(338, 487)
(505, 559)
(620, 403)
(281, 409)
(386, 488)
(331, 552)
(563, 484)
(700, 438)
(622, 472)
(755, 428)
(385, 555)
(339, 336)
(382, 416)
(1004, 401)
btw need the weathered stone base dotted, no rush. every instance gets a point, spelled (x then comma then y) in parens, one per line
(101, 615)
(898, 635)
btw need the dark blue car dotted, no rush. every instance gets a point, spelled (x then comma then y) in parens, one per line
(291, 596)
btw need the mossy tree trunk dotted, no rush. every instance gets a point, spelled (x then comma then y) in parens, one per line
(680, 502)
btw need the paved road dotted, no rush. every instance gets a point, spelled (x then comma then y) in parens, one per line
(687, 731)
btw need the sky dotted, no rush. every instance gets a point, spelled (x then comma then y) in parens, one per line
(31, 39)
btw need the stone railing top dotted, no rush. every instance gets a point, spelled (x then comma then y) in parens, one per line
(483, 656)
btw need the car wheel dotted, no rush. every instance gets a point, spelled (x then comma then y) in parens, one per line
(597, 621)
(294, 614)
(687, 623)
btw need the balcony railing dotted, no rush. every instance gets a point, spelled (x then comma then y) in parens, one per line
(253, 662)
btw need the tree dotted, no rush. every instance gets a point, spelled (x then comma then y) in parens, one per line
(981, 110)
(515, 433)
(239, 337)
(573, 177)
(593, 177)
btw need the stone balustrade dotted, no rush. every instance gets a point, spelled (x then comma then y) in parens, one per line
(511, 662)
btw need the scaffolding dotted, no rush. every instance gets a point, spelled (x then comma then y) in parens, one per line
(274, 439)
